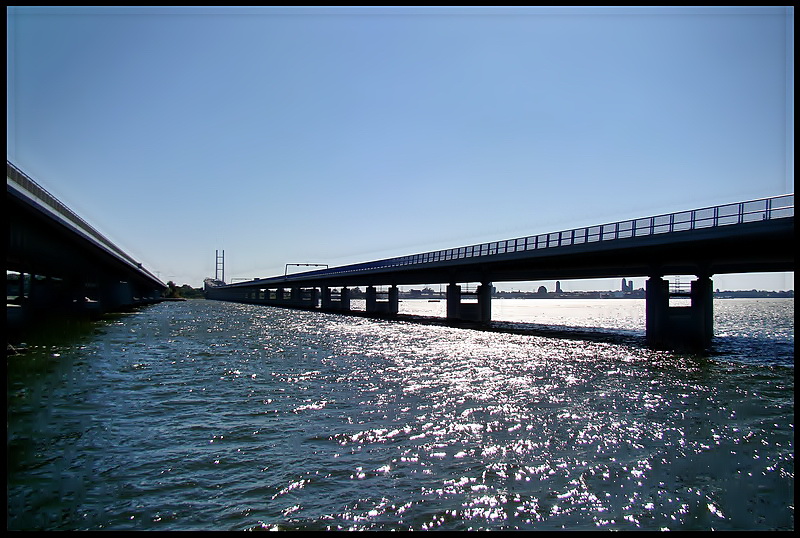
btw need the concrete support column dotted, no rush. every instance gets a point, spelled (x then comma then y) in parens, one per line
(679, 326)
(70, 296)
(372, 299)
(390, 307)
(295, 296)
(36, 291)
(326, 298)
(343, 304)
(60, 293)
(42, 293)
(33, 291)
(656, 310)
(121, 293)
(453, 301)
(480, 311)
(703, 308)
(485, 302)
(21, 287)
(394, 301)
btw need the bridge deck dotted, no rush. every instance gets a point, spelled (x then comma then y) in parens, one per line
(752, 236)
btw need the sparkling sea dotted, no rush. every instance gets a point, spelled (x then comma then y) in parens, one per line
(205, 415)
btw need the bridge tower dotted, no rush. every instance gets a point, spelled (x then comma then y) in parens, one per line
(220, 269)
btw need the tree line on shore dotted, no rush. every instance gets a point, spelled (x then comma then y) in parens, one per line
(174, 291)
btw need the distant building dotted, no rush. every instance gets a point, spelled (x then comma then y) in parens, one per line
(627, 286)
(558, 286)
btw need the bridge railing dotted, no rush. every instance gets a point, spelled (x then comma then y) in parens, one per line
(708, 217)
(22, 180)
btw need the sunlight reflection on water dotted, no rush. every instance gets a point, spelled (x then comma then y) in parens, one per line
(203, 415)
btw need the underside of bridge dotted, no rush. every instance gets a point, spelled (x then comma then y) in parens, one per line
(56, 270)
(688, 326)
(758, 246)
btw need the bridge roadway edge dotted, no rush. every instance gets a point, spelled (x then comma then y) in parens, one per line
(66, 269)
(768, 243)
(759, 246)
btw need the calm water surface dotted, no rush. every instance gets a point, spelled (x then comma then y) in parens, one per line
(211, 415)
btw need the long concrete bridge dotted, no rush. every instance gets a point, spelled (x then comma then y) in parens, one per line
(63, 264)
(749, 236)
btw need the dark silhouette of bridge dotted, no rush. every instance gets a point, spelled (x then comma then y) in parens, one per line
(749, 236)
(63, 264)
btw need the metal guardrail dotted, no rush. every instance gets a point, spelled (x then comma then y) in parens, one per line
(708, 217)
(23, 181)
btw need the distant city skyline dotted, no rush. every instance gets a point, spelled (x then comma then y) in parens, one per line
(343, 135)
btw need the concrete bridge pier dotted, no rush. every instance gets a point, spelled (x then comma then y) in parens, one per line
(44, 292)
(18, 289)
(670, 327)
(394, 300)
(303, 297)
(480, 311)
(326, 298)
(47, 294)
(311, 297)
(344, 300)
(117, 294)
(38, 297)
(453, 301)
(340, 305)
(390, 307)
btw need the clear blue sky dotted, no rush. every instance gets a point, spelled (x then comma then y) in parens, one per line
(342, 135)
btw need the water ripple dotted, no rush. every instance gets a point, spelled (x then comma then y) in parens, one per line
(204, 415)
